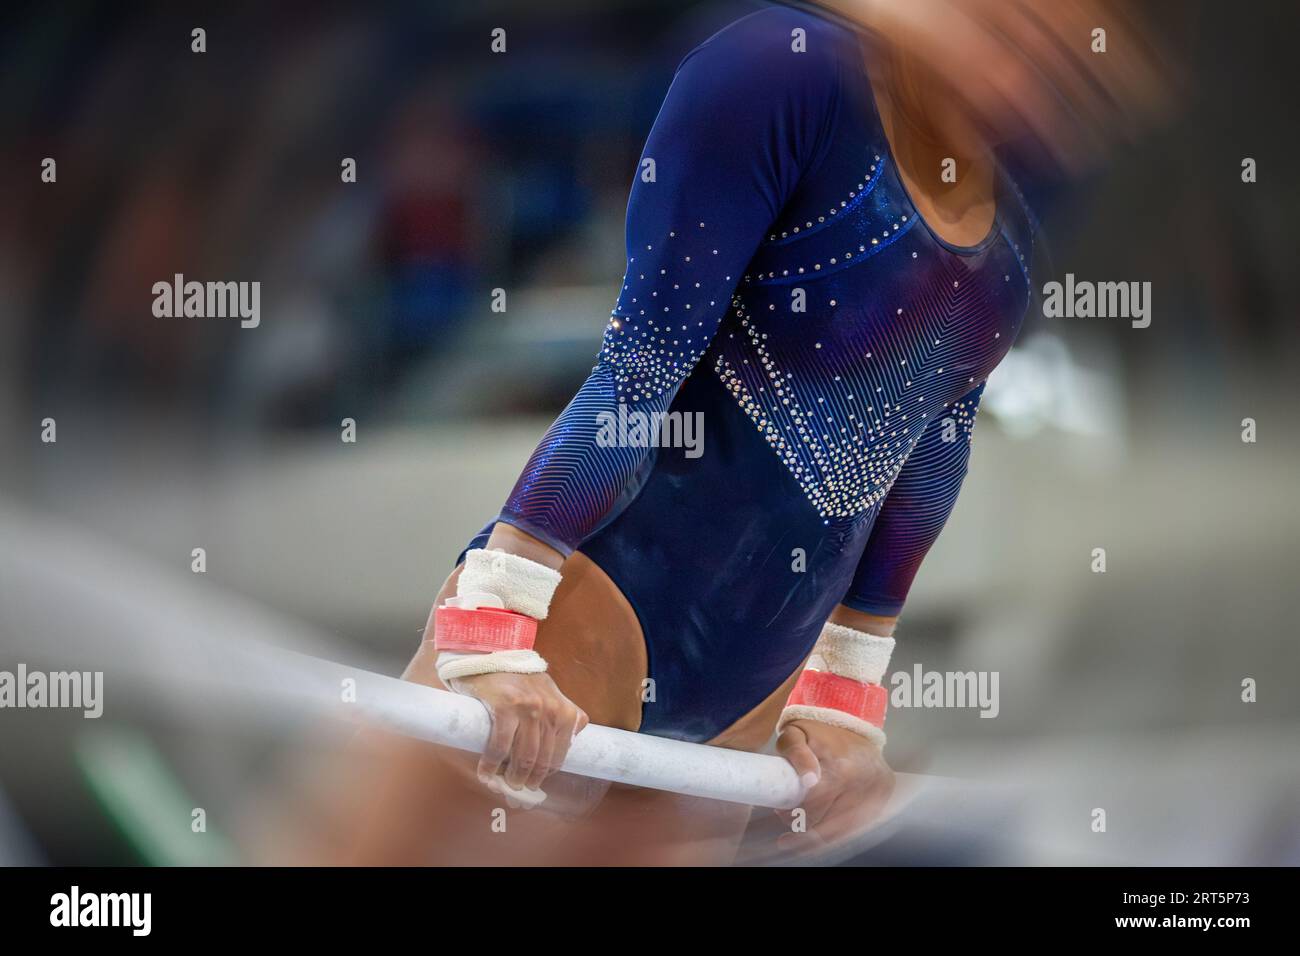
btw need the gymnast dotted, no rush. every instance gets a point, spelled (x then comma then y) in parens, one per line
(825, 262)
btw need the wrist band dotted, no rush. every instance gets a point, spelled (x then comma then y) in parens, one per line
(453, 666)
(482, 629)
(821, 689)
(522, 585)
(474, 635)
(852, 653)
(841, 684)
(833, 718)
(840, 702)
(490, 626)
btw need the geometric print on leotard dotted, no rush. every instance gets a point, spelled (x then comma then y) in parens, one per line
(844, 420)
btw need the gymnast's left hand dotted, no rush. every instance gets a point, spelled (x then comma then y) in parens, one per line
(853, 783)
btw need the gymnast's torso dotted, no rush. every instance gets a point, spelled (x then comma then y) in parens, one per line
(781, 290)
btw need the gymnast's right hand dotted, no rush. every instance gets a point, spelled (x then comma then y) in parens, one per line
(533, 725)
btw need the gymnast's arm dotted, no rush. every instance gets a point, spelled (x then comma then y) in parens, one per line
(738, 128)
(914, 512)
(853, 780)
(744, 118)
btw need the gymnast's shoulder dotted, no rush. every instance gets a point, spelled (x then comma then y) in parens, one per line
(777, 52)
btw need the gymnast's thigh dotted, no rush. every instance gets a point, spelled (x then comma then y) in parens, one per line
(594, 646)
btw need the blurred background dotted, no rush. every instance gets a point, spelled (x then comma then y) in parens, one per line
(1119, 690)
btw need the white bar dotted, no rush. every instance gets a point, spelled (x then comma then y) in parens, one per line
(453, 720)
(65, 594)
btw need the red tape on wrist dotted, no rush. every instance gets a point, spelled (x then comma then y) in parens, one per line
(483, 629)
(824, 689)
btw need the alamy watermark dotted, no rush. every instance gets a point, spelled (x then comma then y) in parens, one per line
(209, 300)
(64, 690)
(946, 689)
(1081, 299)
(630, 428)
(75, 908)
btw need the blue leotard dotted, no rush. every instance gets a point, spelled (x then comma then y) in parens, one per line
(780, 282)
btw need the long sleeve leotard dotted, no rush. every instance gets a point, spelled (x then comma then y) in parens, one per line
(781, 290)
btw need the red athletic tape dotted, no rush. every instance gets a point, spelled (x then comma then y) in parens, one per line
(485, 629)
(824, 689)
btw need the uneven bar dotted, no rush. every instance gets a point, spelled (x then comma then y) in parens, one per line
(621, 756)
